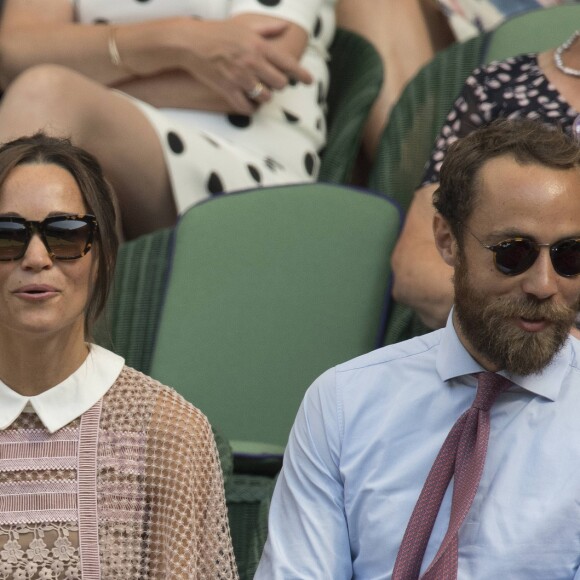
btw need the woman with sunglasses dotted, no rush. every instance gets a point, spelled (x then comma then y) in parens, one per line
(179, 100)
(542, 87)
(104, 473)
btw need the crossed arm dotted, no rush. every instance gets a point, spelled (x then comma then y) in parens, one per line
(175, 62)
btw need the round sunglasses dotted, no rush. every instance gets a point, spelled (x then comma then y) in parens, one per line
(66, 237)
(516, 255)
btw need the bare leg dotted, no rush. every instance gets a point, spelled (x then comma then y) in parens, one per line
(65, 103)
(401, 33)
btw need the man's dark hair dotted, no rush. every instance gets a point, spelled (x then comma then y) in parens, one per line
(97, 195)
(527, 141)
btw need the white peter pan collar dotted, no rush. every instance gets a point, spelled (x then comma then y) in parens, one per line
(68, 400)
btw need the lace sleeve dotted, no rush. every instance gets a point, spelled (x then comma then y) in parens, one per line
(475, 106)
(189, 535)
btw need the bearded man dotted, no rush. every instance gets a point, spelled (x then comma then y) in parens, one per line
(456, 454)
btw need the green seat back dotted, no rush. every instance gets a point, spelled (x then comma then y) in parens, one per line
(249, 498)
(407, 141)
(417, 116)
(356, 76)
(130, 322)
(533, 31)
(268, 289)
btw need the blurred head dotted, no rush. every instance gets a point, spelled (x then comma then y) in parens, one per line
(96, 193)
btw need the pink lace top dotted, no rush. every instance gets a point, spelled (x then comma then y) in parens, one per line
(130, 489)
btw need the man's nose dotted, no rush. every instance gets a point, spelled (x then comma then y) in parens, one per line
(541, 280)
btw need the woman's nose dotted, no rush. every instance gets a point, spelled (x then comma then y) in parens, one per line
(36, 255)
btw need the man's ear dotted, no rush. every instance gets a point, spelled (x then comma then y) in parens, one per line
(445, 240)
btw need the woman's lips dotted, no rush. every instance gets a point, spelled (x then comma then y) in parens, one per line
(36, 292)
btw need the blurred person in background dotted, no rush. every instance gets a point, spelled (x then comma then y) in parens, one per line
(178, 100)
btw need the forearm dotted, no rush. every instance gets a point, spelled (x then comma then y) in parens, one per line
(422, 280)
(180, 90)
(146, 48)
(23, 48)
(228, 57)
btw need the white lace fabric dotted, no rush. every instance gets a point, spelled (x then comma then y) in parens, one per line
(132, 489)
(39, 551)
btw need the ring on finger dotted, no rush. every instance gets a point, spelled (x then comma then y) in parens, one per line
(256, 91)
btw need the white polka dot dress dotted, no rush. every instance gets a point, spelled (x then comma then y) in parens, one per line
(213, 153)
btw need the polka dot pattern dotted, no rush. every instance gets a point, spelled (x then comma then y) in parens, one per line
(240, 121)
(321, 96)
(513, 88)
(317, 28)
(175, 143)
(255, 173)
(309, 161)
(290, 117)
(212, 153)
(215, 184)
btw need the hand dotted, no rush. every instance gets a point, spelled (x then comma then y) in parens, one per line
(232, 59)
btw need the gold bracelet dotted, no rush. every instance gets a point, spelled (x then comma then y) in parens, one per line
(114, 53)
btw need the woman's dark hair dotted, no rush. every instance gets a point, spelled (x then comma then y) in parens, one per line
(527, 141)
(97, 195)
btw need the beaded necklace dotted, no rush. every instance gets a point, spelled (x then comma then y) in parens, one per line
(574, 72)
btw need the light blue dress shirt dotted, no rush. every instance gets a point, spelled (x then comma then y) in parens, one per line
(364, 441)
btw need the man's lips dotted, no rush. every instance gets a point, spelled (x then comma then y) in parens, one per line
(36, 291)
(532, 325)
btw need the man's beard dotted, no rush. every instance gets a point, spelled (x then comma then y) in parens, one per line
(488, 323)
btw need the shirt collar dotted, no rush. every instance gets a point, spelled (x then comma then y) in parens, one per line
(453, 360)
(68, 400)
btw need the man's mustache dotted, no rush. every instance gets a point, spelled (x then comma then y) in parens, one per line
(533, 309)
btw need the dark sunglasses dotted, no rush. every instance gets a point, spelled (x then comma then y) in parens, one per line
(516, 255)
(66, 237)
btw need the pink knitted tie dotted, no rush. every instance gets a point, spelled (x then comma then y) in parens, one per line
(462, 456)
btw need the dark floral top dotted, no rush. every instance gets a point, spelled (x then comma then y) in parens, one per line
(515, 87)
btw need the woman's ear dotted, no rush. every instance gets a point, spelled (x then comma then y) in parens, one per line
(445, 240)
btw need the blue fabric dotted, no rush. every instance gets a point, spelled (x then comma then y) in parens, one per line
(470, 17)
(510, 7)
(366, 436)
